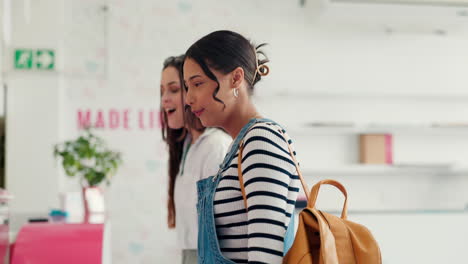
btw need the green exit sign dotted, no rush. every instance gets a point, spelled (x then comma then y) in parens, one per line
(41, 59)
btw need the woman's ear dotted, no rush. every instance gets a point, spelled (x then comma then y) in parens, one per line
(237, 77)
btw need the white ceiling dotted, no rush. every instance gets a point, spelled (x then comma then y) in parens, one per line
(392, 18)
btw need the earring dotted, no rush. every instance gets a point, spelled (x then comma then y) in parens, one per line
(236, 92)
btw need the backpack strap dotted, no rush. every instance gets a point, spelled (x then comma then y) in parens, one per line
(339, 186)
(241, 176)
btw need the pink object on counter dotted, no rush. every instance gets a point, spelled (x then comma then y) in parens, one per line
(389, 148)
(59, 243)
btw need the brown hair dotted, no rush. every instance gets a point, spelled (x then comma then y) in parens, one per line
(174, 138)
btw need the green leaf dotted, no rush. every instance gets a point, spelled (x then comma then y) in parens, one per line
(88, 147)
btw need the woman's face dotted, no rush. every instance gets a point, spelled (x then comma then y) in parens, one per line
(199, 96)
(171, 100)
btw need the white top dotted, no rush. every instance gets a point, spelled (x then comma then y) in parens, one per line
(271, 187)
(201, 161)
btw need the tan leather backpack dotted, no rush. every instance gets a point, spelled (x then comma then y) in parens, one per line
(322, 238)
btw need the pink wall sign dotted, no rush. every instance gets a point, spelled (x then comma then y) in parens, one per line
(119, 119)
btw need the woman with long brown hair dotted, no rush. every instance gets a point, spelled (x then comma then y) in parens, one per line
(194, 153)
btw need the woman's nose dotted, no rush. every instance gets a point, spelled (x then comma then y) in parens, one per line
(165, 98)
(189, 98)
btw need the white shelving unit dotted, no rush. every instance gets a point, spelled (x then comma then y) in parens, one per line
(384, 170)
(370, 129)
(364, 95)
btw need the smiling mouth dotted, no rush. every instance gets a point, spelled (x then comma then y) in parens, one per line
(199, 112)
(170, 111)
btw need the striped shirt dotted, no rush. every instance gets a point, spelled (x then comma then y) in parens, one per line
(271, 187)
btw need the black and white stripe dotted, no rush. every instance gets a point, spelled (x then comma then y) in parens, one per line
(271, 185)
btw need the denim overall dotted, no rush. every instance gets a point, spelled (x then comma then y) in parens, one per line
(208, 246)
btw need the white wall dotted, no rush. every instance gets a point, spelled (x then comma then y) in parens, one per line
(2, 50)
(32, 110)
(321, 70)
(419, 238)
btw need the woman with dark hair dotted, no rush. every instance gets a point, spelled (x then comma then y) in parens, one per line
(245, 210)
(194, 152)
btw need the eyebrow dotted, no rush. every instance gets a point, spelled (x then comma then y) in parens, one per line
(193, 77)
(170, 83)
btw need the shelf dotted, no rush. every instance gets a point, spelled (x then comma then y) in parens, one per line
(330, 130)
(384, 170)
(300, 204)
(363, 95)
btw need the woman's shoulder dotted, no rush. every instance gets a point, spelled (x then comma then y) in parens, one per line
(268, 124)
(270, 130)
(216, 134)
(215, 138)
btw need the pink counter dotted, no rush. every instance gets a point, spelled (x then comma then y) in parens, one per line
(59, 243)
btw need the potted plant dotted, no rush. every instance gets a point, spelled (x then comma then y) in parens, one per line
(89, 159)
